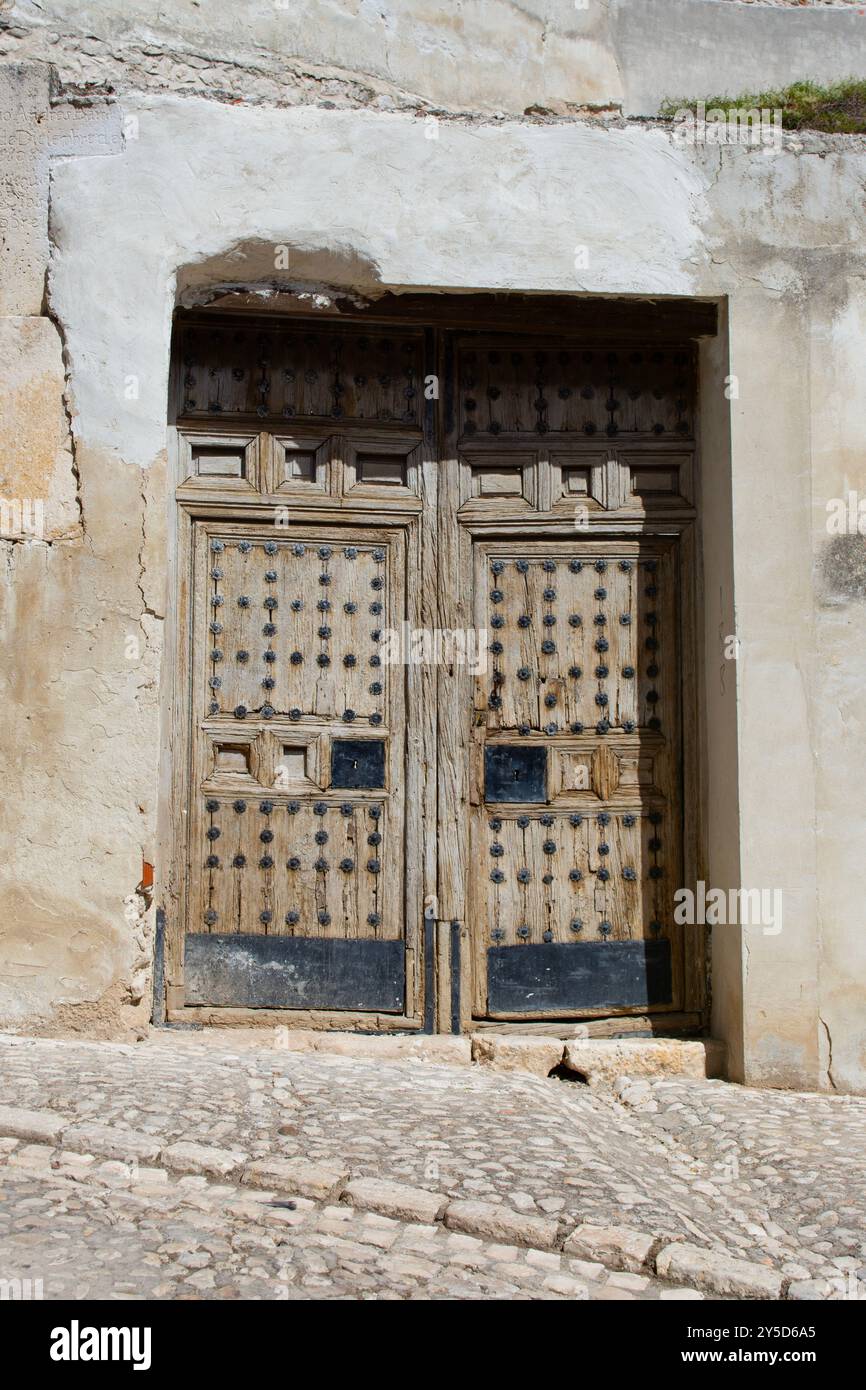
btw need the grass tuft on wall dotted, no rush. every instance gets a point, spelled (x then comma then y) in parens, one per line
(839, 109)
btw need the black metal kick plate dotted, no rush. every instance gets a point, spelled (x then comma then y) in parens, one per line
(293, 972)
(358, 763)
(514, 773)
(565, 977)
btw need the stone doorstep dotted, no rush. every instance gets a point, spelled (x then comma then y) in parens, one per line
(600, 1060)
(443, 1048)
(617, 1248)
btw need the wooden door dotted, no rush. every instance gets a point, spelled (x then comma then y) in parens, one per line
(576, 825)
(297, 824)
(566, 542)
(299, 804)
(355, 843)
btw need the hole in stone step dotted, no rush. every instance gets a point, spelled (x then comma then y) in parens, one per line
(563, 1073)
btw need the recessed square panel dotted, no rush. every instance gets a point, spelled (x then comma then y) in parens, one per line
(213, 461)
(358, 764)
(515, 773)
(577, 481)
(574, 771)
(381, 466)
(381, 469)
(656, 479)
(636, 772)
(291, 766)
(300, 465)
(499, 482)
(578, 478)
(491, 479)
(232, 758)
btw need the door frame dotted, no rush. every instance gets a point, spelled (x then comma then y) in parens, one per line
(438, 982)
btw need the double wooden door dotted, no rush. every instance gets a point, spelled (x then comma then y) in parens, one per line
(367, 832)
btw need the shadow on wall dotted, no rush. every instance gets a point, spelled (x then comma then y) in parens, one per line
(253, 272)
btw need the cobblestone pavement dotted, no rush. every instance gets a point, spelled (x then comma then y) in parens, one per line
(193, 1239)
(772, 1177)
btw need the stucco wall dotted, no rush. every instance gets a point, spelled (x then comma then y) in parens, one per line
(191, 190)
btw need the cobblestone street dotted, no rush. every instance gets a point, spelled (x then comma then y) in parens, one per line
(196, 1166)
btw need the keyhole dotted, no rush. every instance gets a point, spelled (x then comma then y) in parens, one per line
(516, 774)
(354, 762)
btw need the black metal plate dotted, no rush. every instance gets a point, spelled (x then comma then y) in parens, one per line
(291, 972)
(566, 977)
(515, 773)
(358, 763)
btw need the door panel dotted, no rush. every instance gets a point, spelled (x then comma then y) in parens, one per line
(297, 818)
(576, 829)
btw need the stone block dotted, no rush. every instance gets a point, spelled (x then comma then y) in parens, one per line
(393, 1199)
(603, 1061)
(322, 1181)
(492, 1222)
(38, 1126)
(112, 1141)
(504, 1053)
(717, 1272)
(37, 483)
(616, 1247)
(201, 1159)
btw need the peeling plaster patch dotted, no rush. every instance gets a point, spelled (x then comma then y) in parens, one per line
(140, 918)
(110, 1017)
(67, 413)
(36, 459)
(49, 941)
(785, 222)
(81, 727)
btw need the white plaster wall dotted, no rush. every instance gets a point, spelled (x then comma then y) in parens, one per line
(786, 235)
(838, 710)
(483, 207)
